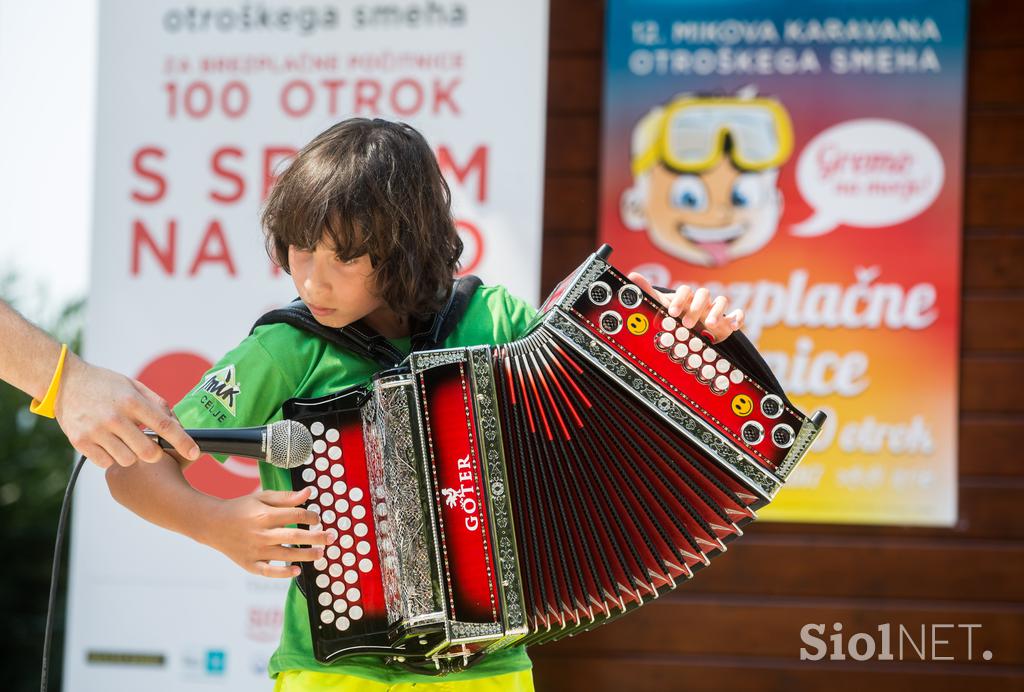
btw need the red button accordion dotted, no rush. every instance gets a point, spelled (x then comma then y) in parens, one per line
(485, 497)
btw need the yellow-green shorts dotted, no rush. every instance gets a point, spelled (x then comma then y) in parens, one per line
(313, 681)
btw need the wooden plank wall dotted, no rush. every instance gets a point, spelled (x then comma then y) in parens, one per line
(737, 626)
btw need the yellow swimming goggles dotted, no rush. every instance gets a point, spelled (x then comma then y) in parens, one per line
(688, 134)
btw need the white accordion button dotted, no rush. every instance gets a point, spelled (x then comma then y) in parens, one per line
(360, 529)
(313, 507)
(720, 385)
(710, 354)
(356, 495)
(327, 617)
(340, 605)
(326, 499)
(317, 428)
(722, 365)
(679, 351)
(324, 599)
(351, 577)
(340, 487)
(324, 482)
(320, 565)
(337, 588)
(353, 594)
(322, 580)
(313, 492)
(332, 435)
(692, 362)
(665, 340)
(335, 570)
(334, 453)
(683, 334)
(696, 344)
(707, 373)
(736, 376)
(332, 535)
(344, 523)
(362, 547)
(336, 470)
(355, 612)
(321, 464)
(308, 475)
(346, 541)
(348, 559)
(328, 516)
(334, 552)
(358, 512)
(365, 565)
(342, 623)
(341, 505)
(319, 446)
(668, 324)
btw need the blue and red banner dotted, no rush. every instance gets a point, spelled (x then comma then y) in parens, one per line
(806, 160)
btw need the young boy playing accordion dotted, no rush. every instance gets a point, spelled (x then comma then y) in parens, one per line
(361, 220)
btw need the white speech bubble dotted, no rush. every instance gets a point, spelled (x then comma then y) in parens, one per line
(869, 173)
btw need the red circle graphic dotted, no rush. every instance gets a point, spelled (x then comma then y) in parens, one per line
(172, 376)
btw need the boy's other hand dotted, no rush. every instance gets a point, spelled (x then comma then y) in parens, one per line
(100, 411)
(254, 530)
(691, 307)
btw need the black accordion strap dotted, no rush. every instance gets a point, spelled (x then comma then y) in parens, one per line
(445, 320)
(360, 339)
(737, 348)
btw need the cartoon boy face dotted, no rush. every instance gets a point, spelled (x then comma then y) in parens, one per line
(705, 187)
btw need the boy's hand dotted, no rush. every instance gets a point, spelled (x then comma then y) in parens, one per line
(691, 306)
(253, 530)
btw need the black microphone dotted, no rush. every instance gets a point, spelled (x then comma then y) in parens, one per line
(285, 444)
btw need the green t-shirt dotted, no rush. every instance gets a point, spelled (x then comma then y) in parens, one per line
(278, 362)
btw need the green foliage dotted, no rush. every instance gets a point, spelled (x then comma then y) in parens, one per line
(35, 463)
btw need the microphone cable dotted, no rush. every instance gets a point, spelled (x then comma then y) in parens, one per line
(55, 573)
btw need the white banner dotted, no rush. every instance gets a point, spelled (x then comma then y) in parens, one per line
(198, 104)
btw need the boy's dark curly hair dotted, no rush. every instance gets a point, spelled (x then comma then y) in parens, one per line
(370, 187)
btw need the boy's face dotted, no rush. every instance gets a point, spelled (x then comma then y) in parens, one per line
(337, 292)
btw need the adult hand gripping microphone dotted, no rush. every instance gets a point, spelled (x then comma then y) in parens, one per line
(285, 444)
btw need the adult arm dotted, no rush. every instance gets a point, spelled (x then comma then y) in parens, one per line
(99, 410)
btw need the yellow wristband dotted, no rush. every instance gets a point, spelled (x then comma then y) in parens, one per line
(45, 407)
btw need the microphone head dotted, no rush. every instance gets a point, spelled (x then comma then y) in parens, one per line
(290, 444)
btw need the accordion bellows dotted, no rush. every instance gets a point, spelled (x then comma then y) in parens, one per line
(485, 497)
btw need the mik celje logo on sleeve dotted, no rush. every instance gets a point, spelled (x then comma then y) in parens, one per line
(219, 391)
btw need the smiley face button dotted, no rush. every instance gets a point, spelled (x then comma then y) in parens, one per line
(637, 324)
(742, 405)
